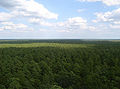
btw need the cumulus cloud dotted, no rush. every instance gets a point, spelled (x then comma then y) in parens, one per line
(73, 24)
(37, 14)
(12, 26)
(108, 21)
(27, 8)
(39, 21)
(111, 2)
(5, 16)
(109, 17)
(114, 26)
(88, 0)
(107, 2)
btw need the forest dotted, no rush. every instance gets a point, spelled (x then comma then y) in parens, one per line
(59, 64)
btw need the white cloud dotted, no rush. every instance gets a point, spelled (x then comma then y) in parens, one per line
(43, 30)
(107, 2)
(92, 28)
(40, 22)
(35, 20)
(116, 22)
(1, 29)
(71, 24)
(108, 21)
(12, 26)
(111, 2)
(80, 10)
(5, 16)
(114, 26)
(109, 17)
(88, 0)
(74, 24)
(27, 8)
(63, 31)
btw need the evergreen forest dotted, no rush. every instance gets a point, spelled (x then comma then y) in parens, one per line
(59, 64)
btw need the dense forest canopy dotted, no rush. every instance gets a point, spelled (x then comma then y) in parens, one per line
(65, 41)
(59, 64)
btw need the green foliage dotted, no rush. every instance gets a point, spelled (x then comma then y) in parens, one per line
(56, 87)
(14, 83)
(63, 65)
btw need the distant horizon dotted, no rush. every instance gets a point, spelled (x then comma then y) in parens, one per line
(58, 39)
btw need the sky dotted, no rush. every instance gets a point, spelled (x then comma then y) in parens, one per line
(59, 19)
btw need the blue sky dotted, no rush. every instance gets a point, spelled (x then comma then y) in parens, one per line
(59, 19)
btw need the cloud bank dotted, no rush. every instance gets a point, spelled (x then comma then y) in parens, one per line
(106, 2)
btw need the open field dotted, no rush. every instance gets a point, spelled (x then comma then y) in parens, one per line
(45, 45)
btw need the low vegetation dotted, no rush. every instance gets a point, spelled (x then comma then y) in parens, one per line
(28, 45)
